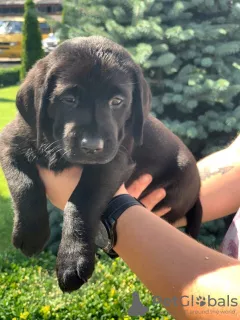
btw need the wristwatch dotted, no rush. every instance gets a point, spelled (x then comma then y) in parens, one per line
(107, 236)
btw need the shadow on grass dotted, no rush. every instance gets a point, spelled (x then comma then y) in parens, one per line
(7, 100)
(6, 221)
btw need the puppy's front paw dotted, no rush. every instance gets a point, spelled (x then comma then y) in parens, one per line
(73, 269)
(30, 239)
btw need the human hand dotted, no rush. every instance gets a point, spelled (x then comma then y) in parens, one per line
(59, 188)
(151, 200)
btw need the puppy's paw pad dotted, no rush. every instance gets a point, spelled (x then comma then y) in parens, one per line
(69, 280)
(73, 274)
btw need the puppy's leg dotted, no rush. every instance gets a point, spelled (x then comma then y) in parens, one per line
(194, 219)
(76, 256)
(31, 225)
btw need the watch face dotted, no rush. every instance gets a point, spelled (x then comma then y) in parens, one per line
(101, 239)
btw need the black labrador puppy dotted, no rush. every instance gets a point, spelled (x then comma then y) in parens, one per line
(87, 104)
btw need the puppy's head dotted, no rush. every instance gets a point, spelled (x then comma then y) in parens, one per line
(84, 96)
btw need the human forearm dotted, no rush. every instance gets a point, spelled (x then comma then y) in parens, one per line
(165, 260)
(220, 184)
(220, 179)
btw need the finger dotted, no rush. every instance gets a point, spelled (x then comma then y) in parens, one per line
(162, 211)
(151, 200)
(139, 185)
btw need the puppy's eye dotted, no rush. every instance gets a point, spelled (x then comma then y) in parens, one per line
(69, 99)
(115, 102)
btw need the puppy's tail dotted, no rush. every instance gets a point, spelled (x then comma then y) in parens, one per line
(194, 219)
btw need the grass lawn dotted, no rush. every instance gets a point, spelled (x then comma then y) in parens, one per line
(29, 290)
(7, 113)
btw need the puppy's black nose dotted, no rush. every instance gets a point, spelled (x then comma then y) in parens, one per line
(92, 145)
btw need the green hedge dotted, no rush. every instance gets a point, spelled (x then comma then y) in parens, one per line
(29, 290)
(9, 76)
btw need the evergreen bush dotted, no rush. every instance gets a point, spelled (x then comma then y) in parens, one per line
(32, 40)
(190, 53)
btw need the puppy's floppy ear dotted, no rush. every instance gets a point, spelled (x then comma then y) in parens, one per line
(25, 99)
(42, 100)
(141, 105)
(32, 96)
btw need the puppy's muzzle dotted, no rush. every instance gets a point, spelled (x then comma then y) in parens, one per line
(92, 145)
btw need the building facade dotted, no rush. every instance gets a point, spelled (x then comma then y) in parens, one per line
(16, 7)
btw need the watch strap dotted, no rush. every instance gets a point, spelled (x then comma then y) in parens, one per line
(114, 210)
(118, 205)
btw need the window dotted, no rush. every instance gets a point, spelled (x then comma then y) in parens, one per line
(10, 27)
(11, 10)
(44, 27)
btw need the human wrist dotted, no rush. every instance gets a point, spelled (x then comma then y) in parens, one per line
(126, 222)
(107, 235)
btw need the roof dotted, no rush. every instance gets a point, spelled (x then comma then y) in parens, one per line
(21, 2)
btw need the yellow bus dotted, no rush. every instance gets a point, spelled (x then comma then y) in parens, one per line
(11, 36)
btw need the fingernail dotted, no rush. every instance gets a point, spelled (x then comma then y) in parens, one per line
(161, 193)
(146, 179)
